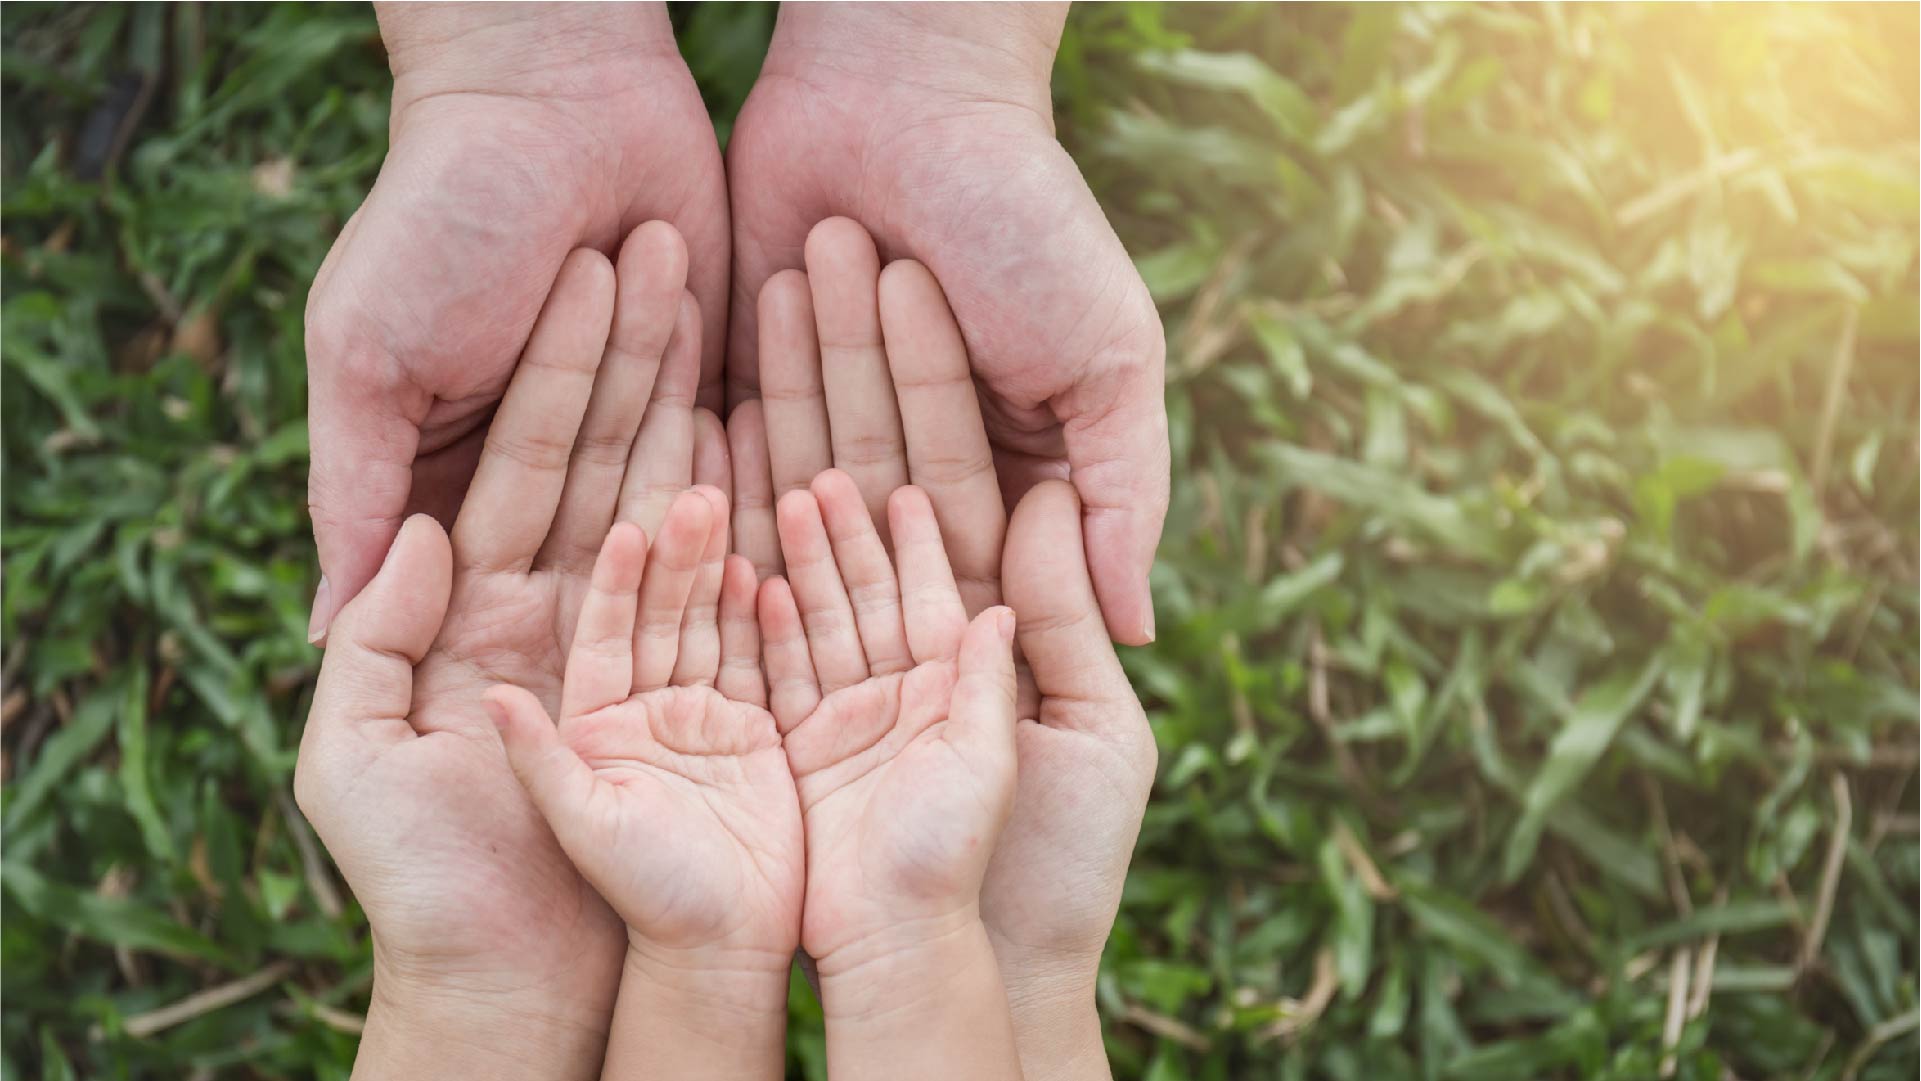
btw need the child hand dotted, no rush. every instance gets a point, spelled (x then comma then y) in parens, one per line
(899, 721)
(664, 779)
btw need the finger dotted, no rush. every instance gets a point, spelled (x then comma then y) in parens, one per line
(948, 455)
(832, 639)
(792, 690)
(754, 534)
(364, 437)
(713, 464)
(982, 715)
(931, 605)
(865, 571)
(556, 779)
(661, 465)
(367, 677)
(518, 482)
(600, 666)
(1115, 425)
(698, 661)
(672, 565)
(740, 677)
(795, 406)
(649, 280)
(1079, 678)
(864, 424)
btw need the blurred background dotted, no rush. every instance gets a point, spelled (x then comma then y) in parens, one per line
(1536, 690)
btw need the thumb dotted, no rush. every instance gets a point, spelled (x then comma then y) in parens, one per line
(361, 470)
(1115, 427)
(367, 676)
(554, 776)
(1044, 576)
(983, 708)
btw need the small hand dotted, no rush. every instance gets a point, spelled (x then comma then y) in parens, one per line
(664, 779)
(898, 715)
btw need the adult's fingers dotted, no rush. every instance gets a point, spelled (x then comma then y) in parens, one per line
(367, 677)
(864, 424)
(518, 482)
(948, 455)
(600, 664)
(1115, 424)
(794, 402)
(754, 534)
(650, 277)
(1044, 575)
(661, 464)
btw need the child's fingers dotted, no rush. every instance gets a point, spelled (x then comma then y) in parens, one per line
(1062, 633)
(367, 677)
(982, 715)
(556, 779)
(740, 677)
(948, 454)
(518, 481)
(792, 690)
(863, 421)
(754, 534)
(672, 564)
(649, 281)
(600, 663)
(825, 611)
(698, 661)
(866, 572)
(932, 606)
(790, 385)
(661, 465)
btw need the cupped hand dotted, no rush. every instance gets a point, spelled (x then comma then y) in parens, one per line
(400, 770)
(664, 779)
(943, 148)
(898, 716)
(518, 135)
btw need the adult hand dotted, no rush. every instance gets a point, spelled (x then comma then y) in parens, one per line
(931, 126)
(519, 133)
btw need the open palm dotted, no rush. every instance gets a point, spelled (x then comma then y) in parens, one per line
(898, 716)
(664, 779)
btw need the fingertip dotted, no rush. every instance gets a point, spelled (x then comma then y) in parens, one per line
(795, 511)
(785, 302)
(908, 505)
(658, 248)
(738, 577)
(839, 243)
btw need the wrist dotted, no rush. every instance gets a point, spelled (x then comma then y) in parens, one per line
(706, 1016)
(980, 52)
(903, 968)
(418, 1032)
(541, 51)
(1057, 1026)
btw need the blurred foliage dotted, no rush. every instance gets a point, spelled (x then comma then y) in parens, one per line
(1537, 679)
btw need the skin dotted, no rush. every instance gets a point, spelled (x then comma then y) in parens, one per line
(898, 721)
(666, 783)
(519, 133)
(930, 125)
(1087, 757)
(486, 938)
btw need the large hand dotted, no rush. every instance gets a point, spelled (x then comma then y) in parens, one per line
(401, 773)
(518, 134)
(931, 126)
(1087, 757)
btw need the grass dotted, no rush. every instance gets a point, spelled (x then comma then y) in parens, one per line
(1537, 679)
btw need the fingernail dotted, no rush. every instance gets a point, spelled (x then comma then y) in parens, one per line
(1007, 624)
(1147, 621)
(317, 622)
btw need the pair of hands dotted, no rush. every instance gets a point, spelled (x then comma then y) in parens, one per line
(855, 816)
(522, 134)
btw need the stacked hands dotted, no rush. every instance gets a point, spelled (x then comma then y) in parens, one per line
(675, 698)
